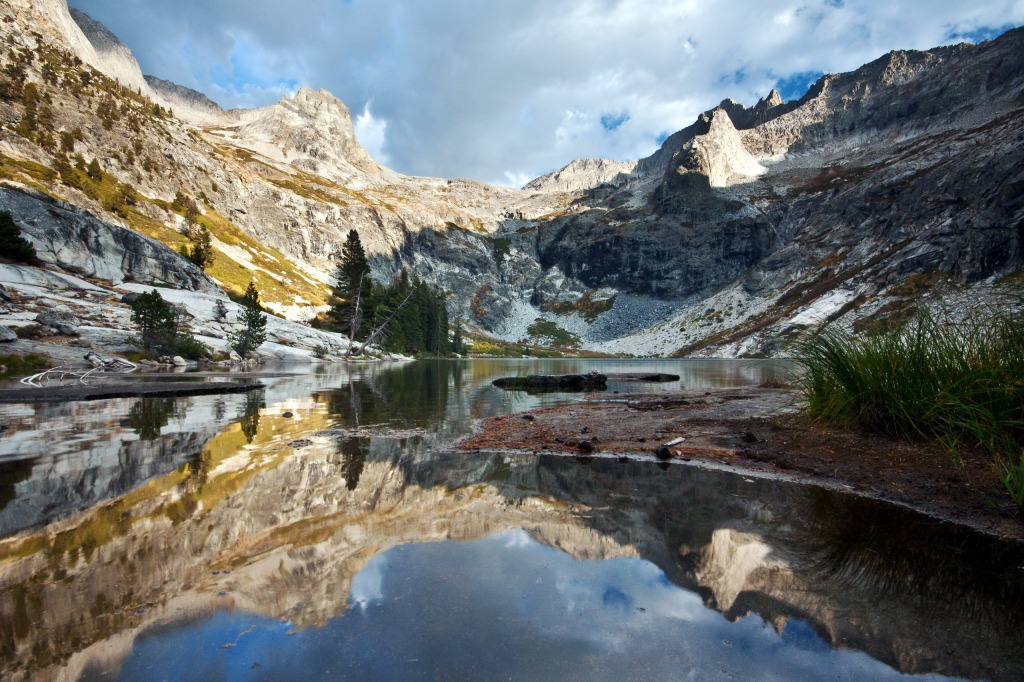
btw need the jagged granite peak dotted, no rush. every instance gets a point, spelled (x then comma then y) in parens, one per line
(311, 130)
(773, 99)
(582, 174)
(719, 153)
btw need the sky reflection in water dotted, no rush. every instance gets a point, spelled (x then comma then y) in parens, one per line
(505, 607)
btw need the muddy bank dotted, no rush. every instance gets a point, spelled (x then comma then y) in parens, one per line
(762, 431)
(118, 389)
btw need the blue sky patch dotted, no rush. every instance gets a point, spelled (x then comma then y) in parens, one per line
(611, 122)
(978, 35)
(795, 86)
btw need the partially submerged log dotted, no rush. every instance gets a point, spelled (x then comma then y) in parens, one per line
(654, 377)
(553, 382)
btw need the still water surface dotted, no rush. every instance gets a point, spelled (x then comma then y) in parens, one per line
(214, 537)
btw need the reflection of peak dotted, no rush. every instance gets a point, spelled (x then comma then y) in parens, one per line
(728, 563)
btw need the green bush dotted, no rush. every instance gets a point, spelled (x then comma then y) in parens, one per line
(191, 348)
(955, 382)
(24, 364)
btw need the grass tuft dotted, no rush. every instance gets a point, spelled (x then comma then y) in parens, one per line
(956, 382)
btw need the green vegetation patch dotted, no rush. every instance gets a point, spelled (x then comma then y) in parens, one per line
(546, 329)
(29, 363)
(282, 285)
(956, 382)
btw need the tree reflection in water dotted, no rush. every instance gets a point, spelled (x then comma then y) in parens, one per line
(149, 415)
(413, 395)
(353, 458)
(250, 414)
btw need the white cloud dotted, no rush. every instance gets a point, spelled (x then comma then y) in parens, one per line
(471, 89)
(371, 133)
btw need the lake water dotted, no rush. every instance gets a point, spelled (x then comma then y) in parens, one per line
(322, 528)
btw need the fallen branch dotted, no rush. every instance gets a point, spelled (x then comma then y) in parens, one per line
(62, 373)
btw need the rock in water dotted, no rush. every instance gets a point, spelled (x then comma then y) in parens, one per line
(569, 382)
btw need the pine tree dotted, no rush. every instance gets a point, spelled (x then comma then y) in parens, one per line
(254, 333)
(156, 321)
(352, 285)
(12, 244)
(457, 337)
(201, 252)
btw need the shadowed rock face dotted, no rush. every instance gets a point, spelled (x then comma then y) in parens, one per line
(68, 238)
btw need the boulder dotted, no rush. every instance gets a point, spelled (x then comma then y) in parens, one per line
(61, 319)
(179, 361)
(7, 335)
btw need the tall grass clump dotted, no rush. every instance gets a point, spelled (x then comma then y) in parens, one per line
(958, 382)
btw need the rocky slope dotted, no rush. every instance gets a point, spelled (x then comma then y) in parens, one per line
(745, 230)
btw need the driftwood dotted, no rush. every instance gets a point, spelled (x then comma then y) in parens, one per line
(553, 382)
(99, 366)
(652, 378)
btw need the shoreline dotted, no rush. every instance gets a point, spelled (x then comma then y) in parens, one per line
(761, 432)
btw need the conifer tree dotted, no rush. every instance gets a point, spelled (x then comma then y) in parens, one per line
(201, 253)
(12, 244)
(352, 286)
(254, 332)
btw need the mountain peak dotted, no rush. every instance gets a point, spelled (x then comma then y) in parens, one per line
(582, 174)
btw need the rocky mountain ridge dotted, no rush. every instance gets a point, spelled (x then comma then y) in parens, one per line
(743, 231)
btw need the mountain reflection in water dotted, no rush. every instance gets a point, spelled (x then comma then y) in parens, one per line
(323, 530)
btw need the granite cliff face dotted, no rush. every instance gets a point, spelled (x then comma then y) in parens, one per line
(68, 238)
(743, 231)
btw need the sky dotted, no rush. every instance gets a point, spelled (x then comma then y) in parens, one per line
(503, 91)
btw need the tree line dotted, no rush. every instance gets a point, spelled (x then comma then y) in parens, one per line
(405, 316)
